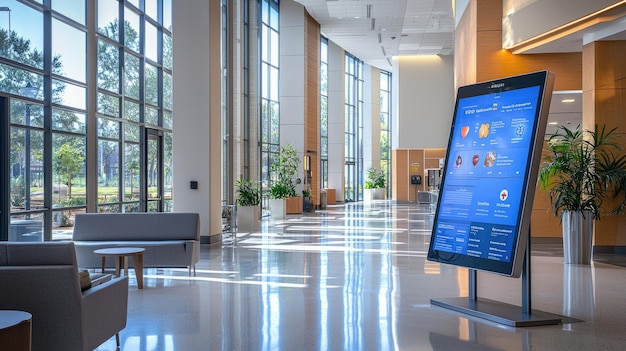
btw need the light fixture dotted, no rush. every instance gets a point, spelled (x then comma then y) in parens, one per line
(568, 100)
(383, 50)
(553, 123)
(372, 23)
(7, 9)
(369, 11)
(380, 38)
(29, 91)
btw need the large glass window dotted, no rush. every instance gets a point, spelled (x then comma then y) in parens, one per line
(44, 49)
(385, 127)
(353, 129)
(324, 112)
(270, 119)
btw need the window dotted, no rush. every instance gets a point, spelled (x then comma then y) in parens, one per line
(353, 129)
(324, 112)
(385, 127)
(270, 119)
(48, 146)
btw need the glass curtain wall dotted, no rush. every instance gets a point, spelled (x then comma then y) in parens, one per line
(227, 191)
(324, 112)
(245, 136)
(385, 127)
(269, 104)
(134, 95)
(353, 129)
(43, 70)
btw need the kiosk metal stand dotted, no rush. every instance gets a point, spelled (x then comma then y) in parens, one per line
(500, 312)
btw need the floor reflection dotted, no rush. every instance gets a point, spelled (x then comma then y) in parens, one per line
(355, 277)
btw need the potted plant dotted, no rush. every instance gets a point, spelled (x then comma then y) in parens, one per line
(284, 168)
(585, 174)
(248, 205)
(375, 185)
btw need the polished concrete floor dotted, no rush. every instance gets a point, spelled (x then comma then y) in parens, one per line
(355, 277)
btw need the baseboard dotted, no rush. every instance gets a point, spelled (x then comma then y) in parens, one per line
(210, 239)
(546, 240)
(610, 250)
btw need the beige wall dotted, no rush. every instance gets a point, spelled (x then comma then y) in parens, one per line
(423, 101)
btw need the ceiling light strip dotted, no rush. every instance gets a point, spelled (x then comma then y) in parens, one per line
(609, 13)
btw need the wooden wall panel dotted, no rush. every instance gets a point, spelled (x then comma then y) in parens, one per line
(465, 47)
(312, 104)
(400, 185)
(604, 103)
(478, 40)
(416, 156)
(493, 62)
(402, 161)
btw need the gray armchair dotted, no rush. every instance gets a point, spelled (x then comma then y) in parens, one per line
(42, 279)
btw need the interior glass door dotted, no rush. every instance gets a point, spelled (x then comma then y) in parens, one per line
(153, 182)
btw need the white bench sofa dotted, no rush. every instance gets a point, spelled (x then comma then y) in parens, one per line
(170, 239)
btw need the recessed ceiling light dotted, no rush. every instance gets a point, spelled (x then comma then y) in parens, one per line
(553, 123)
(357, 17)
(568, 100)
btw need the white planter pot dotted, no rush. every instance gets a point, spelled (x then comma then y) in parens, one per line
(278, 208)
(577, 237)
(374, 194)
(248, 218)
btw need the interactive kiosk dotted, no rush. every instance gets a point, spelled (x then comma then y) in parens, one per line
(482, 220)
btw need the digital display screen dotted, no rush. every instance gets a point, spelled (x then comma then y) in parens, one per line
(489, 176)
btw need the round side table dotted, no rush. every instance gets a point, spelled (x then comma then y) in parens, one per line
(15, 330)
(121, 255)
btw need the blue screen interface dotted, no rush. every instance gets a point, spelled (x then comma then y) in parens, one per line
(487, 163)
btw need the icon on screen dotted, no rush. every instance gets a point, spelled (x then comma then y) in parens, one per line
(504, 194)
(490, 159)
(475, 159)
(483, 132)
(464, 131)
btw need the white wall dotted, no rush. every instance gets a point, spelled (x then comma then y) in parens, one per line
(191, 123)
(423, 101)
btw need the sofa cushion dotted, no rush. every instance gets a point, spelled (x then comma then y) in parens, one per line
(136, 226)
(36, 254)
(85, 280)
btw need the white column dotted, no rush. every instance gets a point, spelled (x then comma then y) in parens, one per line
(292, 78)
(371, 118)
(196, 125)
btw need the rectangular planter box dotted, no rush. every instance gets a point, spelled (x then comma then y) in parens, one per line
(294, 205)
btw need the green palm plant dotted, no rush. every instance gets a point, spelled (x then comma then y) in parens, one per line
(584, 170)
(284, 169)
(248, 192)
(375, 179)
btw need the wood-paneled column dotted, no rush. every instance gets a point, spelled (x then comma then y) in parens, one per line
(604, 103)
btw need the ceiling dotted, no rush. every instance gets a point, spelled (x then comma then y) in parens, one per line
(376, 30)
